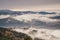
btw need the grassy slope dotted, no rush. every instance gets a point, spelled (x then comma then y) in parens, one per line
(8, 34)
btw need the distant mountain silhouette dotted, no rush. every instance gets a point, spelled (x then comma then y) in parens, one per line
(6, 12)
(55, 17)
(43, 12)
(8, 22)
(9, 12)
(12, 22)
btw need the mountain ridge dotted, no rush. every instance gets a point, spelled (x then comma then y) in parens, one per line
(10, 12)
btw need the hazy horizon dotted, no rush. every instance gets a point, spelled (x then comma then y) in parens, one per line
(30, 5)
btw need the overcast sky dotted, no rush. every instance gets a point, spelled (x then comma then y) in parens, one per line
(51, 5)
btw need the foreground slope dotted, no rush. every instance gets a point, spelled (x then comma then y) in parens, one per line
(8, 34)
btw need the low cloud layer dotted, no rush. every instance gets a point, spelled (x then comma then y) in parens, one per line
(30, 18)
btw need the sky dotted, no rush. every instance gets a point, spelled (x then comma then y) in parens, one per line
(34, 5)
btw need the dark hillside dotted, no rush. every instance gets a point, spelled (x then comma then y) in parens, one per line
(8, 34)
